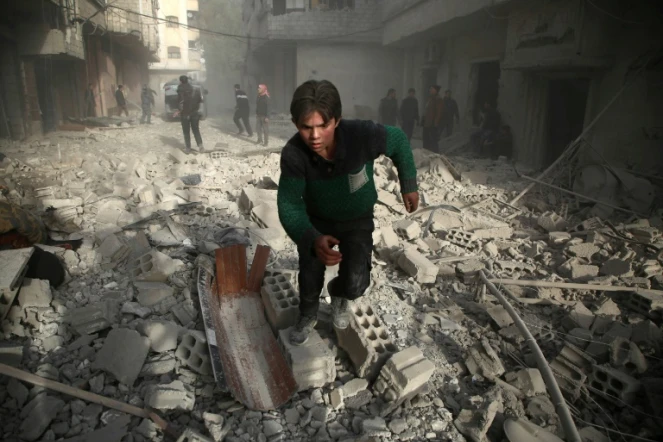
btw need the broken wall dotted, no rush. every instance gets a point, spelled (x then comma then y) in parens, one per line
(362, 73)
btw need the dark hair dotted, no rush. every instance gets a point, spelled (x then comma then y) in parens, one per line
(411, 90)
(390, 91)
(184, 79)
(119, 86)
(437, 88)
(237, 86)
(316, 96)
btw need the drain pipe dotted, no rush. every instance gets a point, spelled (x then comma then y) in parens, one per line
(561, 408)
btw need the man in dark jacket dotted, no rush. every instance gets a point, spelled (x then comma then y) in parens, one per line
(242, 111)
(146, 103)
(388, 111)
(121, 101)
(450, 113)
(409, 113)
(90, 101)
(262, 115)
(189, 102)
(327, 195)
(432, 118)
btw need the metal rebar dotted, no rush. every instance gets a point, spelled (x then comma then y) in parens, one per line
(561, 408)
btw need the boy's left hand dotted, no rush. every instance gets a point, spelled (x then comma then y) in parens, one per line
(411, 201)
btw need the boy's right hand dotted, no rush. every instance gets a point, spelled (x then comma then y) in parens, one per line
(323, 250)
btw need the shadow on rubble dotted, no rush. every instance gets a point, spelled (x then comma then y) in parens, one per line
(173, 142)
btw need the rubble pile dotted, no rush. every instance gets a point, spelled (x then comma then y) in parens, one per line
(429, 355)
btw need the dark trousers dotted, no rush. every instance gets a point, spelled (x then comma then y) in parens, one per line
(122, 108)
(89, 111)
(147, 113)
(431, 135)
(191, 122)
(354, 273)
(408, 128)
(240, 117)
(262, 127)
(447, 127)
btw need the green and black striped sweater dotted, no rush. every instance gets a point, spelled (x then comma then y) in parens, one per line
(341, 190)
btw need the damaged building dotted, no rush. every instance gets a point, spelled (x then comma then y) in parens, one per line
(51, 50)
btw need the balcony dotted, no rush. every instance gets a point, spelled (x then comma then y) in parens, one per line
(322, 22)
(41, 40)
(130, 21)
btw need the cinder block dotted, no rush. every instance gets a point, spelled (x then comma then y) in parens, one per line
(461, 238)
(312, 363)
(190, 435)
(35, 293)
(194, 352)
(552, 222)
(570, 368)
(154, 266)
(95, 317)
(483, 360)
(647, 334)
(511, 267)
(266, 216)
(408, 229)
(185, 312)
(162, 334)
(366, 341)
(418, 266)
(123, 355)
(170, 396)
(468, 271)
(584, 250)
(644, 302)
(281, 302)
(474, 424)
(626, 356)
(403, 376)
(252, 197)
(500, 316)
(579, 317)
(529, 381)
(147, 195)
(614, 385)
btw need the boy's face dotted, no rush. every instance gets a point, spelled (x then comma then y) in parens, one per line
(317, 134)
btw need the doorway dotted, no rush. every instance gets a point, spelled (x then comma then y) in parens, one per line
(567, 100)
(46, 93)
(487, 86)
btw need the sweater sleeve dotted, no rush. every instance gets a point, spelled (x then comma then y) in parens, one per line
(290, 201)
(400, 152)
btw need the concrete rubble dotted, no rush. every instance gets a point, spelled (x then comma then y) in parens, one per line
(429, 355)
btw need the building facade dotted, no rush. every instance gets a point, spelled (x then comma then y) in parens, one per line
(52, 49)
(181, 50)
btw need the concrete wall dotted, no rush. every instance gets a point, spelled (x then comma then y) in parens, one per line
(40, 40)
(178, 37)
(362, 73)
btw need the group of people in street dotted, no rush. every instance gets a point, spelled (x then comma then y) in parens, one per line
(438, 118)
(243, 111)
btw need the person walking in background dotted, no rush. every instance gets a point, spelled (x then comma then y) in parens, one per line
(262, 115)
(90, 101)
(432, 118)
(388, 110)
(242, 111)
(121, 101)
(449, 114)
(189, 102)
(146, 103)
(409, 113)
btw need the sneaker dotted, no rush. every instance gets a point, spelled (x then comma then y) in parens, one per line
(299, 334)
(340, 312)
(201, 148)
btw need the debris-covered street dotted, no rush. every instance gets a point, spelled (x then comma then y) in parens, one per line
(431, 354)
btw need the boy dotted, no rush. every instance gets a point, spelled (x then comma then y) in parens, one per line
(326, 197)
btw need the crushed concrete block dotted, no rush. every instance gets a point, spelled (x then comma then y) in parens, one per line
(281, 302)
(35, 293)
(252, 197)
(580, 337)
(418, 266)
(584, 250)
(403, 376)
(122, 355)
(38, 414)
(390, 200)
(152, 293)
(551, 222)
(170, 397)
(389, 238)
(275, 237)
(647, 335)
(155, 267)
(579, 316)
(266, 217)
(312, 363)
(529, 381)
(162, 335)
(614, 385)
(511, 267)
(582, 272)
(366, 341)
(607, 307)
(408, 229)
(185, 312)
(134, 308)
(461, 238)
(626, 356)
(13, 266)
(190, 435)
(616, 267)
(159, 364)
(483, 360)
(375, 427)
(468, 271)
(194, 352)
(95, 317)
(474, 424)
(588, 224)
(644, 302)
(491, 249)
(504, 232)
(500, 316)
(570, 368)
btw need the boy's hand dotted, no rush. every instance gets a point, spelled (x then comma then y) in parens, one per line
(411, 201)
(323, 250)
